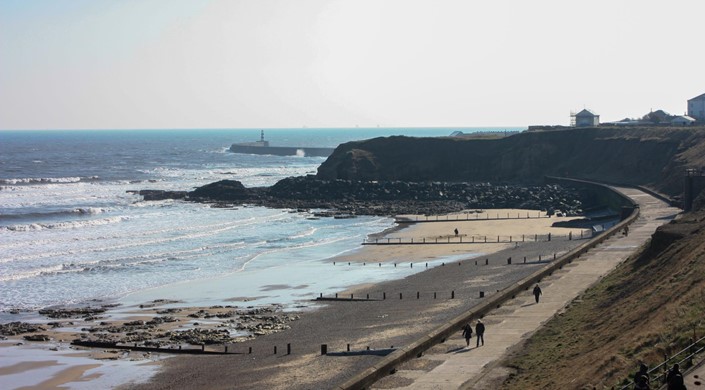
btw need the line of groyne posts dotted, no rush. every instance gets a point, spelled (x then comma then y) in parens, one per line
(224, 349)
(479, 239)
(467, 217)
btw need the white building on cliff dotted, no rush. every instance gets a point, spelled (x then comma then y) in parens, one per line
(696, 108)
(586, 118)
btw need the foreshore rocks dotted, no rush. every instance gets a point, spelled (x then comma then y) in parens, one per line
(161, 194)
(83, 312)
(353, 197)
(18, 328)
(224, 324)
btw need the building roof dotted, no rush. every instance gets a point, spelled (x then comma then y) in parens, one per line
(701, 97)
(586, 112)
(685, 118)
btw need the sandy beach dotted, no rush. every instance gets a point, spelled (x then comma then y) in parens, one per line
(397, 312)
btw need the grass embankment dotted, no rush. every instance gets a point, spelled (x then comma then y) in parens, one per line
(650, 306)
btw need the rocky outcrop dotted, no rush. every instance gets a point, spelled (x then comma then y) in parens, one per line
(652, 156)
(224, 190)
(17, 328)
(162, 195)
(392, 198)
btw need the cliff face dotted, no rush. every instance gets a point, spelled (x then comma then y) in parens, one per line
(652, 156)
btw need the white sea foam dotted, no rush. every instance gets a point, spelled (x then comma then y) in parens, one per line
(64, 225)
(44, 180)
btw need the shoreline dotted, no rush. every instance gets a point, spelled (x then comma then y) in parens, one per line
(433, 254)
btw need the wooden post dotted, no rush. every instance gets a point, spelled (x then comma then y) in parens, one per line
(348, 347)
(399, 295)
(417, 295)
(324, 349)
(249, 350)
(275, 349)
(288, 349)
(482, 294)
(226, 349)
(487, 261)
(452, 294)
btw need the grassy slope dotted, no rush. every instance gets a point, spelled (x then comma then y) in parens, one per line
(646, 308)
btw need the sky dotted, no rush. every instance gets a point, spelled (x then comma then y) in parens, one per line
(145, 64)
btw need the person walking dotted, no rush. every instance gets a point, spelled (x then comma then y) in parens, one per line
(674, 379)
(480, 331)
(641, 378)
(537, 293)
(467, 333)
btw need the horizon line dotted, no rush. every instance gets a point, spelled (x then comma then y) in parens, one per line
(271, 128)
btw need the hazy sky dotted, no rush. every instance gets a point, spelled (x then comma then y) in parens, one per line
(82, 64)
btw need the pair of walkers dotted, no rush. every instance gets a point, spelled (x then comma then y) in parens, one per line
(479, 329)
(674, 378)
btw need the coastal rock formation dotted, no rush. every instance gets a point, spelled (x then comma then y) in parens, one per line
(449, 174)
(225, 190)
(651, 156)
(17, 328)
(85, 312)
(355, 197)
(162, 195)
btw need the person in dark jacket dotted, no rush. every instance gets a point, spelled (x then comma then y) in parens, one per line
(641, 378)
(674, 379)
(467, 333)
(480, 330)
(537, 293)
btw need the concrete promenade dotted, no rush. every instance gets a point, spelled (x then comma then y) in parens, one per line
(516, 320)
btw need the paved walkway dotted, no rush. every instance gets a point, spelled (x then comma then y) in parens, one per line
(695, 379)
(469, 368)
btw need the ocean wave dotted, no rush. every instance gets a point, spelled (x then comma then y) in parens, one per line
(31, 273)
(78, 210)
(63, 225)
(47, 180)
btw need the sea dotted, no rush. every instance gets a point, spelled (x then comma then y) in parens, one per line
(73, 231)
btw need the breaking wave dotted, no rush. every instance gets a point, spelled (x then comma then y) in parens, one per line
(48, 180)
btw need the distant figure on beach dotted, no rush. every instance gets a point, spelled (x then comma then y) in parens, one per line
(641, 378)
(467, 333)
(674, 379)
(537, 293)
(456, 232)
(480, 330)
(626, 231)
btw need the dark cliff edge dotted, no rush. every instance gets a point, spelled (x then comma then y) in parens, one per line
(655, 157)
